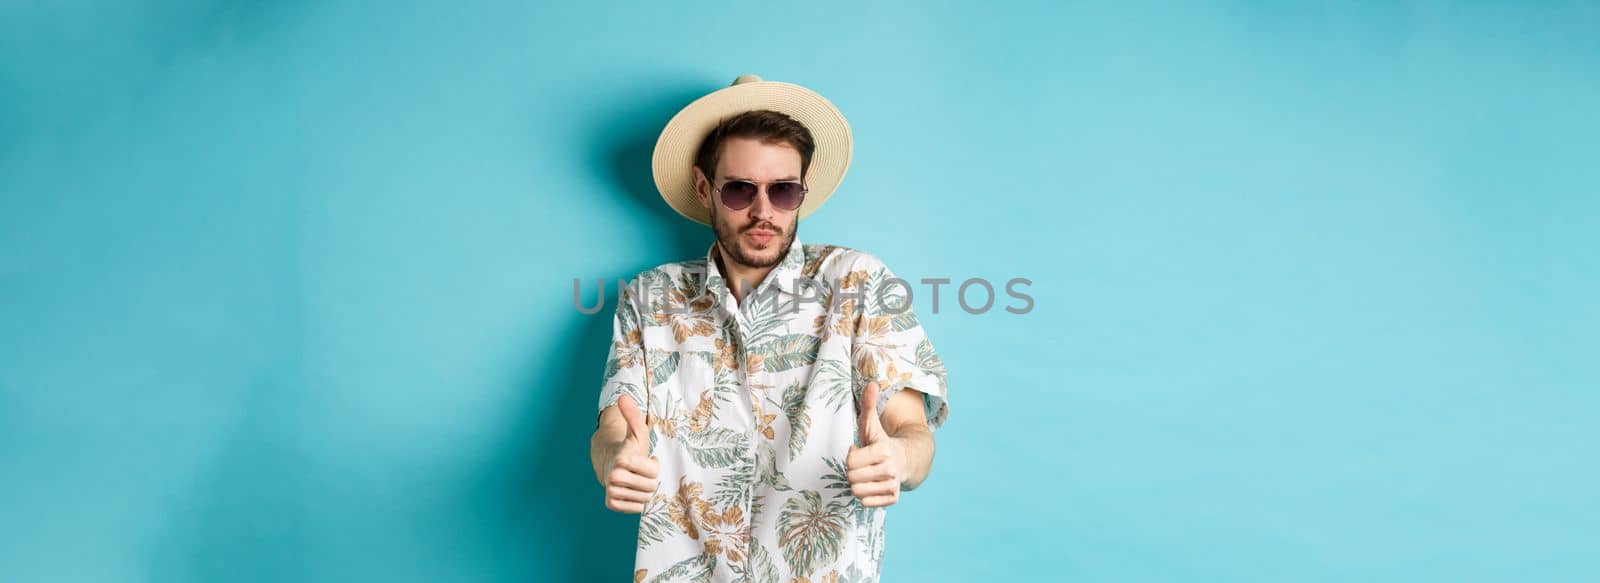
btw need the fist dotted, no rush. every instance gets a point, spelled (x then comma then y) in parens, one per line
(878, 466)
(630, 476)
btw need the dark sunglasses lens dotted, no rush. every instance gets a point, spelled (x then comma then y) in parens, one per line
(785, 195)
(737, 194)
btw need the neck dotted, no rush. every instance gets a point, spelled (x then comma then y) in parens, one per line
(738, 274)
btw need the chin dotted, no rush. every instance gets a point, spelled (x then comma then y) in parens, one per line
(762, 254)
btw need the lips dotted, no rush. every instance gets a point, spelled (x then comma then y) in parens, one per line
(761, 236)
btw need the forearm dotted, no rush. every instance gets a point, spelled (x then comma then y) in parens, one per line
(917, 442)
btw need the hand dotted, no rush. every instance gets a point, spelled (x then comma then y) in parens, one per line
(878, 466)
(630, 476)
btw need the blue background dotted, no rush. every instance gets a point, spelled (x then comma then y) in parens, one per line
(286, 287)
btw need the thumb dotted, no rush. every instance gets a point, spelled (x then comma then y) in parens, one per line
(635, 419)
(871, 427)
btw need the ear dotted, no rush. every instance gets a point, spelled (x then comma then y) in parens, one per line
(702, 188)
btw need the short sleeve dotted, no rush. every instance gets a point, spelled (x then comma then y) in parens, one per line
(890, 346)
(624, 374)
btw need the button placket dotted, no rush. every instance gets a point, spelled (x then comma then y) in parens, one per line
(739, 332)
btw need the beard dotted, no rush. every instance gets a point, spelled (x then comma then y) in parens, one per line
(731, 242)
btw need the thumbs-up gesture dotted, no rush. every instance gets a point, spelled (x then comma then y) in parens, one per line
(630, 476)
(878, 466)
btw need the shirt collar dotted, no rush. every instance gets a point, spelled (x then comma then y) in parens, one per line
(783, 275)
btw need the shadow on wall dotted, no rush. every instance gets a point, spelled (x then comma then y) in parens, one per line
(553, 492)
(532, 512)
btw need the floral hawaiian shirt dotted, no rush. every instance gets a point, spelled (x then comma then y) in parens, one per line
(753, 408)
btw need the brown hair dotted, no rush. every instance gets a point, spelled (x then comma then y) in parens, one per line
(766, 125)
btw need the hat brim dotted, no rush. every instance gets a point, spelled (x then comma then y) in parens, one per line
(673, 160)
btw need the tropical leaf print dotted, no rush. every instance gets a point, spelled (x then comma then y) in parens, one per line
(794, 406)
(837, 483)
(655, 523)
(730, 516)
(700, 418)
(666, 416)
(726, 356)
(685, 505)
(686, 283)
(845, 319)
(627, 309)
(873, 336)
(763, 309)
(758, 505)
(760, 567)
(903, 321)
(871, 328)
(643, 289)
(696, 569)
(726, 384)
(789, 351)
(815, 255)
(662, 364)
(626, 352)
(734, 488)
(867, 371)
(744, 393)
(854, 574)
(717, 447)
(631, 390)
(752, 363)
(839, 479)
(832, 381)
(929, 361)
(767, 468)
(613, 366)
(853, 280)
(687, 317)
(763, 419)
(820, 327)
(811, 533)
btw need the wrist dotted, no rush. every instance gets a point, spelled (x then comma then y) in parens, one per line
(603, 453)
(902, 455)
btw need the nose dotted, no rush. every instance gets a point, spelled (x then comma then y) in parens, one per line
(761, 209)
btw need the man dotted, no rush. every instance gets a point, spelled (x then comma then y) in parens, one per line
(762, 406)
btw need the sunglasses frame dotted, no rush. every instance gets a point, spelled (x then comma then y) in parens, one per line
(762, 190)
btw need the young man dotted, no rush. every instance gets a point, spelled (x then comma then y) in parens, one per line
(763, 405)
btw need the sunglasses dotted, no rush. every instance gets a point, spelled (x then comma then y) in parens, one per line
(739, 194)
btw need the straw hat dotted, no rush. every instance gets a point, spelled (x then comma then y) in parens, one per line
(673, 160)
